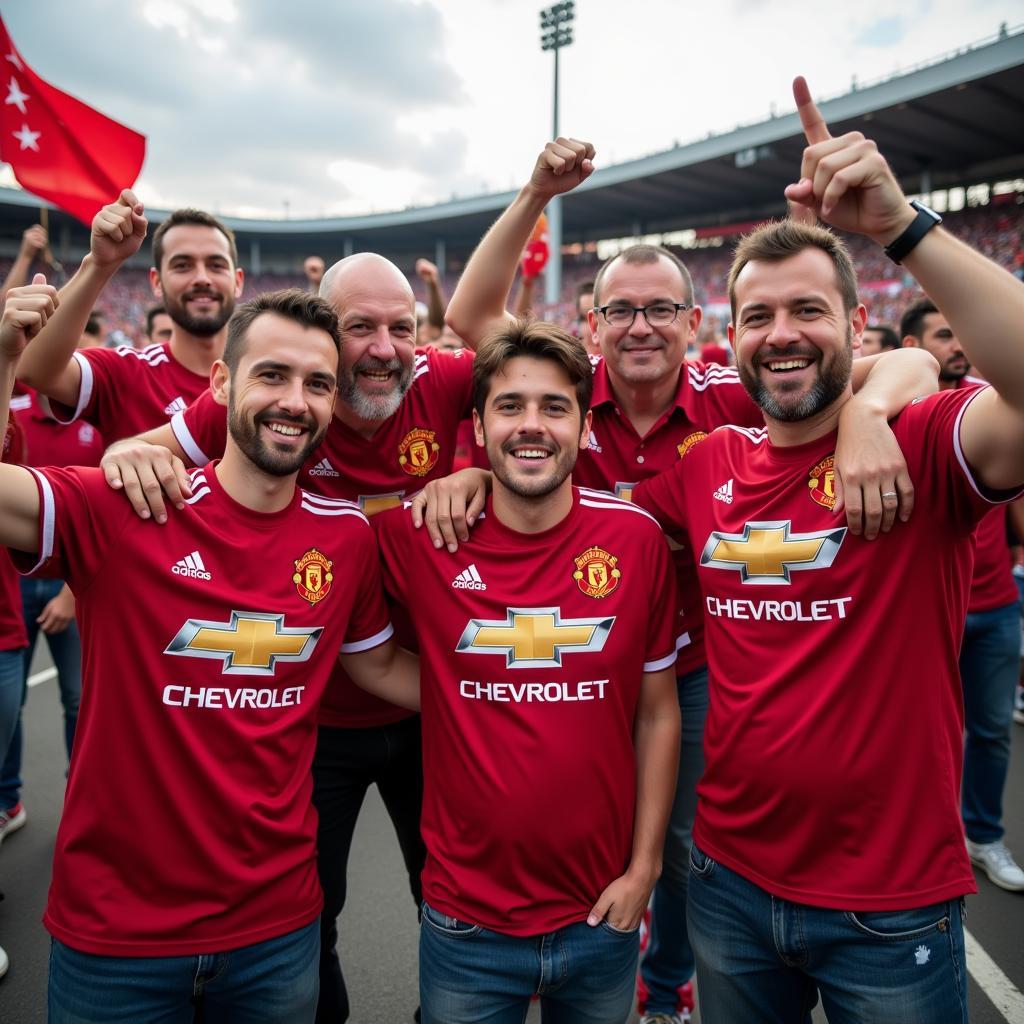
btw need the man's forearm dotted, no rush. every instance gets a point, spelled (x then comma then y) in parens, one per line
(479, 300)
(894, 379)
(436, 303)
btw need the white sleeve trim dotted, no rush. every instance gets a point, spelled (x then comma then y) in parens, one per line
(662, 663)
(188, 444)
(355, 646)
(47, 518)
(961, 458)
(84, 390)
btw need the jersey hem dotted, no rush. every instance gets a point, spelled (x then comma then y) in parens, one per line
(501, 926)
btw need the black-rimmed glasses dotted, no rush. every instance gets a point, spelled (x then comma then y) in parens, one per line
(657, 314)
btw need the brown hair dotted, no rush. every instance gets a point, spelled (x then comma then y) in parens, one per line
(291, 303)
(536, 339)
(640, 254)
(781, 239)
(188, 215)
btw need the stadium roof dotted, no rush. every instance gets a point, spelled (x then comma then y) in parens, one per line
(954, 121)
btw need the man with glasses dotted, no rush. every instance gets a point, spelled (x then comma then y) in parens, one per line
(650, 406)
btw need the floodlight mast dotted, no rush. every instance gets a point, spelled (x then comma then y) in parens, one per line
(555, 32)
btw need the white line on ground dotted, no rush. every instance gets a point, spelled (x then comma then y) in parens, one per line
(41, 677)
(1004, 995)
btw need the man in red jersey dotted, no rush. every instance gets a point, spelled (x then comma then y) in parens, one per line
(394, 429)
(650, 406)
(550, 722)
(990, 653)
(828, 849)
(124, 391)
(185, 870)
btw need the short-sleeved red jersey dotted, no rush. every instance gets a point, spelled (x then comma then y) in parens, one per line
(532, 652)
(411, 448)
(992, 585)
(207, 643)
(617, 459)
(49, 442)
(13, 634)
(834, 737)
(126, 391)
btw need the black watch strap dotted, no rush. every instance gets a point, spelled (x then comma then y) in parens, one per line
(900, 248)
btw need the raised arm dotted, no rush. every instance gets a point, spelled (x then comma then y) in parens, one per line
(33, 242)
(478, 304)
(436, 301)
(26, 311)
(848, 183)
(118, 231)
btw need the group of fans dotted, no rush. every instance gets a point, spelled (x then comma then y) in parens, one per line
(719, 726)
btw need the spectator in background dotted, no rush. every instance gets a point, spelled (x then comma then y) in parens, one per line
(877, 338)
(428, 330)
(313, 266)
(33, 245)
(159, 326)
(92, 333)
(581, 325)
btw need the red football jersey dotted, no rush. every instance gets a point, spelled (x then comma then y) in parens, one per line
(415, 445)
(13, 634)
(834, 737)
(992, 585)
(208, 642)
(126, 391)
(51, 443)
(532, 651)
(617, 459)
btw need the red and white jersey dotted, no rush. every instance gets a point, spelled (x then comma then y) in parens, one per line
(126, 391)
(532, 652)
(207, 643)
(411, 448)
(834, 737)
(12, 622)
(617, 459)
(52, 443)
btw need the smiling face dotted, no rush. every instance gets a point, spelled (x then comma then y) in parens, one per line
(792, 336)
(531, 427)
(377, 314)
(281, 393)
(937, 337)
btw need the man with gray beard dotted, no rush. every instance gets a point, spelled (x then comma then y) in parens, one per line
(394, 429)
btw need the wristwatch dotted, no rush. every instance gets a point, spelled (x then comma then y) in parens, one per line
(900, 248)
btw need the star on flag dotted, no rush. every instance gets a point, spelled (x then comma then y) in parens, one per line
(16, 96)
(27, 138)
(15, 60)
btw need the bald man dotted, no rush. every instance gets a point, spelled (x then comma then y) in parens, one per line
(394, 429)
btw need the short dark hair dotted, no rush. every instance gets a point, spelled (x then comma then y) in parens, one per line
(536, 339)
(640, 254)
(778, 240)
(94, 325)
(889, 337)
(292, 304)
(189, 215)
(584, 288)
(912, 321)
(151, 314)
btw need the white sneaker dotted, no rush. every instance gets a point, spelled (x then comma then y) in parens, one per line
(12, 819)
(680, 1017)
(1018, 706)
(997, 862)
(4, 962)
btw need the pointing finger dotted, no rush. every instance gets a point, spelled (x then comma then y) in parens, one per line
(813, 123)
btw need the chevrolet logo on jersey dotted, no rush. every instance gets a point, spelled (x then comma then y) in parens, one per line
(534, 637)
(251, 644)
(768, 552)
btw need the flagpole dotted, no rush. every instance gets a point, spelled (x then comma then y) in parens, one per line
(47, 254)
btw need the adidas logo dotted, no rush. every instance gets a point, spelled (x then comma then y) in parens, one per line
(593, 445)
(177, 405)
(724, 493)
(323, 468)
(469, 579)
(191, 566)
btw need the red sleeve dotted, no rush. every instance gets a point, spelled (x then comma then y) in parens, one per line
(660, 652)
(202, 429)
(664, 497)
(369, 625)
(393, 540)
(455, 378)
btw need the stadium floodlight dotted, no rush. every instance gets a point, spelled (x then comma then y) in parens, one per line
(555, 32)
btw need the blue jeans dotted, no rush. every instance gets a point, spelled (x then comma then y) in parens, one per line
(989, 671)
(668, 962)
(272, 982)
(11, 684)
(469, 975)
(66, 651)
(764, 960)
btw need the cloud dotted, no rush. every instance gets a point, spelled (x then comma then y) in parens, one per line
(884, 32)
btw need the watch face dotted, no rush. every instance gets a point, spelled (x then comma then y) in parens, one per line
(921, 208)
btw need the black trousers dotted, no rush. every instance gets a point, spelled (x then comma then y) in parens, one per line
(347, 763)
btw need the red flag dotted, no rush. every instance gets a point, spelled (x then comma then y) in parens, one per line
(59, 148)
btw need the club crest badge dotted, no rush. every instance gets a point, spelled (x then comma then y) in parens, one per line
(822, 483)
(313, 576)
(597, 573)
(418, 451)
(689, 441)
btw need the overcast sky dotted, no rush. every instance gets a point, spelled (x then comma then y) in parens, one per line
(262, 108)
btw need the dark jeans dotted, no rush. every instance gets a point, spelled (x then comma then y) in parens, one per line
(347, 763)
